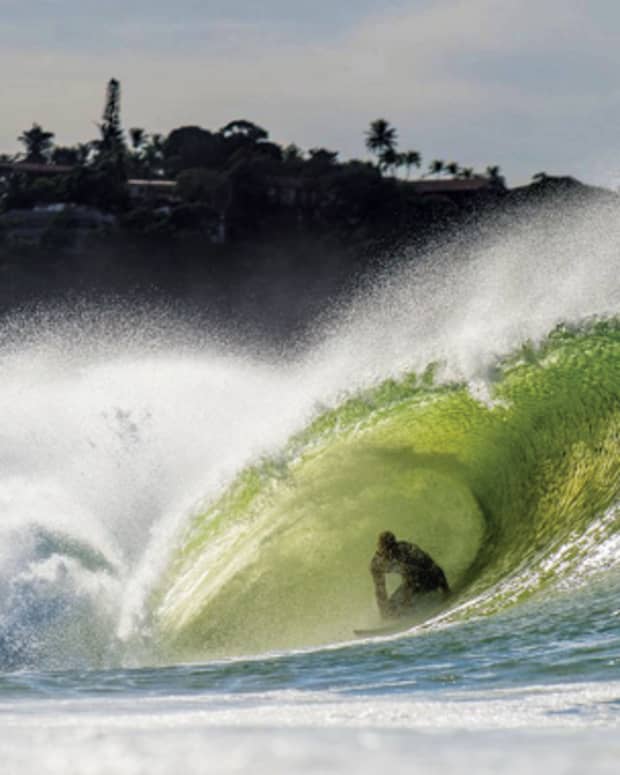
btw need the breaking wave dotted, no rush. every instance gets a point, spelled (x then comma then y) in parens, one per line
(165, 495)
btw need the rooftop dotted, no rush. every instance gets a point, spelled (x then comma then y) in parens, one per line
(452, 185)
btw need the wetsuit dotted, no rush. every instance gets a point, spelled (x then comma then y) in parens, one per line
(420, 574)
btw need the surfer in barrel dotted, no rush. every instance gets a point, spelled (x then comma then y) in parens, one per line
(420, 575)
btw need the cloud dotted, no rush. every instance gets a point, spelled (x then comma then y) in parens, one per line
(513, 81)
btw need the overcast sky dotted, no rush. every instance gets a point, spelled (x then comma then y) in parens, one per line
(530, 85)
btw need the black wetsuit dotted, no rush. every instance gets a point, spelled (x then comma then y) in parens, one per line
(420, 574)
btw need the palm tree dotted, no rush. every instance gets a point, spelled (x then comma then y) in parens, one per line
(495, 176)
(467, 173)
(436, 167)
(38, 144)
(389, 159)
(381, 139)
(452, 168)
(411, 159)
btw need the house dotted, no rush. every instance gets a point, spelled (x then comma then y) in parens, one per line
(153, 190)
(456, 187)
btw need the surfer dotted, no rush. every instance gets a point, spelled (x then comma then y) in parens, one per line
(419, 572)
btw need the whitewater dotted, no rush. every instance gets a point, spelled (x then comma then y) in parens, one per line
(187, 521)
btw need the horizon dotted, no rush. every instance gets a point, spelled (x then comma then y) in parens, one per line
(526, 88)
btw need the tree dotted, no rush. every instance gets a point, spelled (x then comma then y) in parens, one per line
(436, 167)
(203, 185)
(390, 159)
(65, 156)
(245, 129)
(381, 138)
(410, 159)
(38, 144)
(96, 186)
(452, 168)
(137, 137)
(292, 154)
(84, 152)
(466, 173)
(35, 191)
(323, 155)
(357, 198)
(266, 150)
(112, 144)
(192, 146)
(138, 157)
(321, 159)
(494, 174)
(111, 125)
(153, 155)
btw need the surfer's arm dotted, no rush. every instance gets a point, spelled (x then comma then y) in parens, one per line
(443, 581)
(378, 576)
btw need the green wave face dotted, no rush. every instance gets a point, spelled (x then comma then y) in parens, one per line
(495, 491)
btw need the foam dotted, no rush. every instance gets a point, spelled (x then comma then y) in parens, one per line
(553, 727)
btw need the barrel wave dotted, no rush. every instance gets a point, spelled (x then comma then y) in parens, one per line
(171, 493)
(510, 491)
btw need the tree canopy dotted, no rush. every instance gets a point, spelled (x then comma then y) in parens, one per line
(38, 144)
(236, 169)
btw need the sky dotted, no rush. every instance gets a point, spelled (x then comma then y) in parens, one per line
(530, 85)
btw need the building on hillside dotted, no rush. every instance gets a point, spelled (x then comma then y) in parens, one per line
(456, 187)
(153, 191)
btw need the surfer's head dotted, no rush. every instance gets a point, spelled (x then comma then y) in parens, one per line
(386, 543)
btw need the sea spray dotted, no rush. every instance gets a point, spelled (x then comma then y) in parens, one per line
(474, 382)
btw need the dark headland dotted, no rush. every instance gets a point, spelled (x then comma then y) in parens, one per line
(229, 225)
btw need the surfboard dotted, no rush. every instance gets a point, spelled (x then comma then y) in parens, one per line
(391, 629)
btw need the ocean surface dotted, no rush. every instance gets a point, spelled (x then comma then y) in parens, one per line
(187, 521)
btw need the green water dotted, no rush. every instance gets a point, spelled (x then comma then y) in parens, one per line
(507, 492)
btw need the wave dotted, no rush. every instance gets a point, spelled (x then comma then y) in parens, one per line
(467, 401)
(502, 490)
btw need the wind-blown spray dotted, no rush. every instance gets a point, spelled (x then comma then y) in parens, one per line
(167, 496)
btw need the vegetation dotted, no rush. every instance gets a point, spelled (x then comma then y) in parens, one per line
(228, 220)
(38, 144)
(229, 184)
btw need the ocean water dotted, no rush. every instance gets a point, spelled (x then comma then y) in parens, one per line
(187, 523)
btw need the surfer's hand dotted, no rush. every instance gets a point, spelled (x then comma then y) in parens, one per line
(390, 611)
